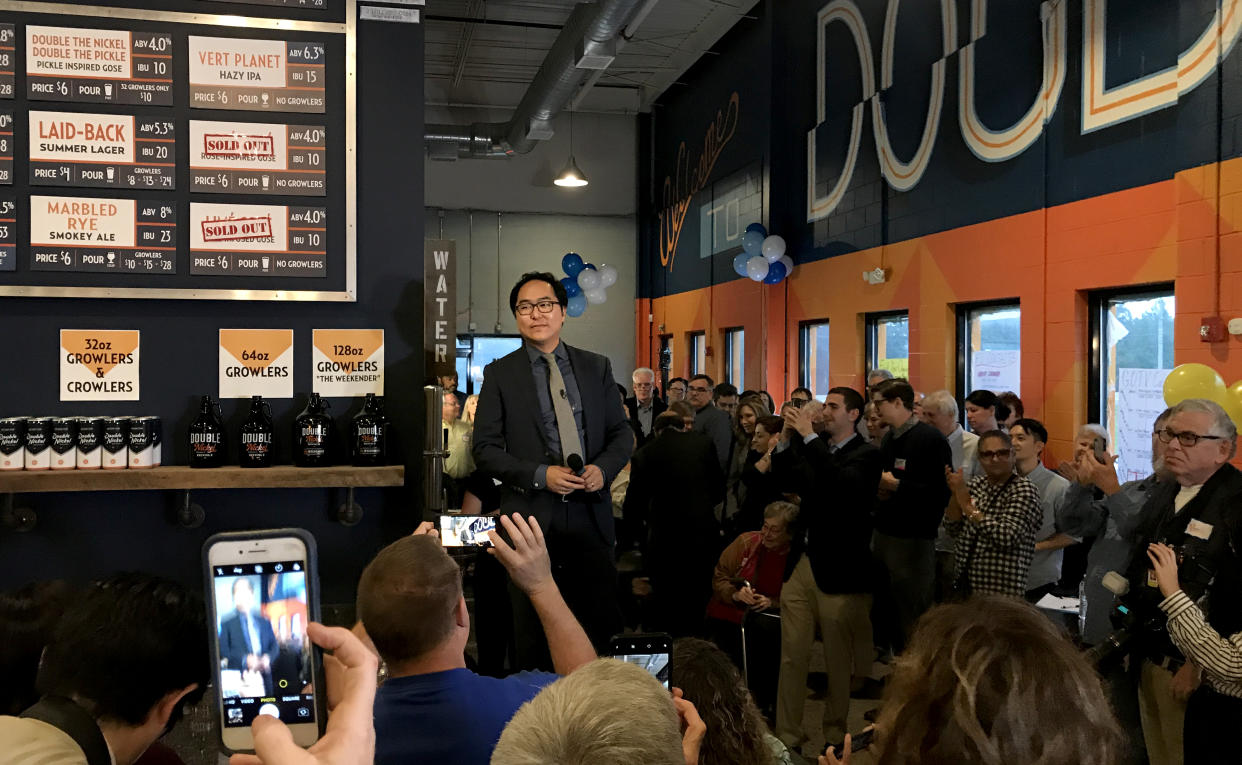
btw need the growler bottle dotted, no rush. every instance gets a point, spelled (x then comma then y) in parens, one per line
(312, 431)
(256, 435)
(369, 434)
(207, 436)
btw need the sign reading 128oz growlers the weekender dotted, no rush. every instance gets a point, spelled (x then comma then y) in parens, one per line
(99, 365)
(348, 362)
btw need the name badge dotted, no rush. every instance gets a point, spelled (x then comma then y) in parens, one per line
(899, 464)
(1197, 528)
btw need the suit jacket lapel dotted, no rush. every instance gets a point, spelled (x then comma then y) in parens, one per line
(525, 397)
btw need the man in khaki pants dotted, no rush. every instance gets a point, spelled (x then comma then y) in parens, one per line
(832, 569)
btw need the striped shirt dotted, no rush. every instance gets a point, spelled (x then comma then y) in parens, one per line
(1220, 659)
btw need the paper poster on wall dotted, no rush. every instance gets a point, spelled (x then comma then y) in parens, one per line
(256, 75)
(103, 235)
(257, 240)
(6, 147)
(102, 150)
(8, 232)
(1139, 400)
(99, 365)
(256, 362)
(257, 158)
(997, 371)
(348, 362)
(99, 66)
(8, 45)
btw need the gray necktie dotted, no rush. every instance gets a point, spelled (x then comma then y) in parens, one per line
(570, 443)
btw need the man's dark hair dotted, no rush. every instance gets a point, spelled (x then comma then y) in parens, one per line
(667, 419)
(701, 376)
(998, 434)
(681, 380)
(853, 400)
(27, 618)
(801, 389)
(1034, 428)
(126, 643)
(682, 408)
(407, 598)
(621, 389)
(896, 389)
(986, 399)
(724, 390)
(1011, 400)
(771, 424)
(558, 289)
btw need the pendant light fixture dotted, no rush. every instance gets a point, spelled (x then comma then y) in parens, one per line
(571, 176)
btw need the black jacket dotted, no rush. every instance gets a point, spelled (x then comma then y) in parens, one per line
(834, 525)
(658, 407)
(917, 458)
(675, 485)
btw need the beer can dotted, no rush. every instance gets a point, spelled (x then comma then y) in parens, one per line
(13, 443)
(38, 443)
(90, 442)
(157, 441)
(142, 441)
(115, 454)
(64, 443)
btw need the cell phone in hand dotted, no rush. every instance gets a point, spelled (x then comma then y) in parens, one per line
(858, 742)
(652, 651)
(466, 530)
(1098, 449)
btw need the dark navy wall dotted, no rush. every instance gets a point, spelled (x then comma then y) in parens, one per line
(84, 535)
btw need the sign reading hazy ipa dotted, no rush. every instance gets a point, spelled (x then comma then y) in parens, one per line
(257, 240)
(99, 66)
(101, 150)
(256, 75)
(103, 235)
(257, 158)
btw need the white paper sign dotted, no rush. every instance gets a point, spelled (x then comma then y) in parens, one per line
(99, 365)
(256, 362)
(348, 362)
(1139, 400)
(997, 371)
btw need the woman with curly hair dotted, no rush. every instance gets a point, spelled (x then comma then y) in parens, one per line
(991, 682)
(736, 733)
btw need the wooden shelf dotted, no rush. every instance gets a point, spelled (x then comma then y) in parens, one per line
(182, 477)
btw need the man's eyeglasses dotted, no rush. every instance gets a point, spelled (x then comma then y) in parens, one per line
(544, 306)
(996, 455)
(1186, 438)
(697, 389)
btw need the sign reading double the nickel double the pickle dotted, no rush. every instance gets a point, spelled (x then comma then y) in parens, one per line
(100, 66)
(6, 147)
(257, 158)
(103, 235)
(256, 362)
(8, 232)
(101, 150)
(8, 61)
(256, 75)
(99, 365)
(257, 240)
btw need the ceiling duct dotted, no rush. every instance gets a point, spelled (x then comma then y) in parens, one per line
(586, 43)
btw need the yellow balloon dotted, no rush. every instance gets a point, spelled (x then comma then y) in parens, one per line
(1193, 381)
(1231, 400)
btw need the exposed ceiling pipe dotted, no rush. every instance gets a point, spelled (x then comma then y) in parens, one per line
(627, 34)
(587, 42)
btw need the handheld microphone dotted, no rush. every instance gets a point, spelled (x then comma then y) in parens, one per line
(574, 462)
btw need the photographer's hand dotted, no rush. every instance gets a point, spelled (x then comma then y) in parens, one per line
(1164, 561)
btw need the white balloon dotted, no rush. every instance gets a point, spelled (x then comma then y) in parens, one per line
(757, 268)
(607, 276)
(589, 279)
(596, 296)
(788, 261)
(773, 248)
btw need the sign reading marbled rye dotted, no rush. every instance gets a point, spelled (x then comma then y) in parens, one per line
(257, 240)
(256, 75)
(8, 38)
(103, 235)
(104, 150)
(102, 66)
(8, 232)
(257, 158)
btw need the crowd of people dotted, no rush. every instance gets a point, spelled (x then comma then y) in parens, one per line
(870, 521)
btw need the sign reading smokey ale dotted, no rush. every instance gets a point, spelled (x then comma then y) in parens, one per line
(440, 305)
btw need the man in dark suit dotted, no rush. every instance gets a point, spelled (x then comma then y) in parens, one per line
(644, 406)
(675, 485)
(551, 428)
(830, 574)
(247, 641)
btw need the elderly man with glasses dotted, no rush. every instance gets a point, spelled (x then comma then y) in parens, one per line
(644, 406)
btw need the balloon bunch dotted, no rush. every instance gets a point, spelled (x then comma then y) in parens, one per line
(1201, 381)
(763, 257)
(585, 283)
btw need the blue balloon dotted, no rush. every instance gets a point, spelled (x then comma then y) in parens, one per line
(752, 243)
(739, 263)
(757, 227)
(590, 266)
(572, 264)
(577, 306)
(571, 286)
(776, 272)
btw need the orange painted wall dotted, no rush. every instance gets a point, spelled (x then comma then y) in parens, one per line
(1187, 230)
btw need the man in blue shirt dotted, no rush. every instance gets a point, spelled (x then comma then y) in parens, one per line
(433, 709)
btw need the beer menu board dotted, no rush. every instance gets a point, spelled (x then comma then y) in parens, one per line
(317, 4)
(256, 75)
(8, 232)
(101, 150)
(100, 234)
(99, 66)
(8, 36)
(257, 158)
(6, 147)
(257, 240)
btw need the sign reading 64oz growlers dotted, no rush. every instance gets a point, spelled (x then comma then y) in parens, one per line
(99, 365)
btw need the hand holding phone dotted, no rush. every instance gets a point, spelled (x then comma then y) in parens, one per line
(465, 530)
(651, 651)
(527, 559)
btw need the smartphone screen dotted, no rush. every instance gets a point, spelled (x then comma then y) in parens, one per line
(466, 530)
(266, 661)
(651, 652)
